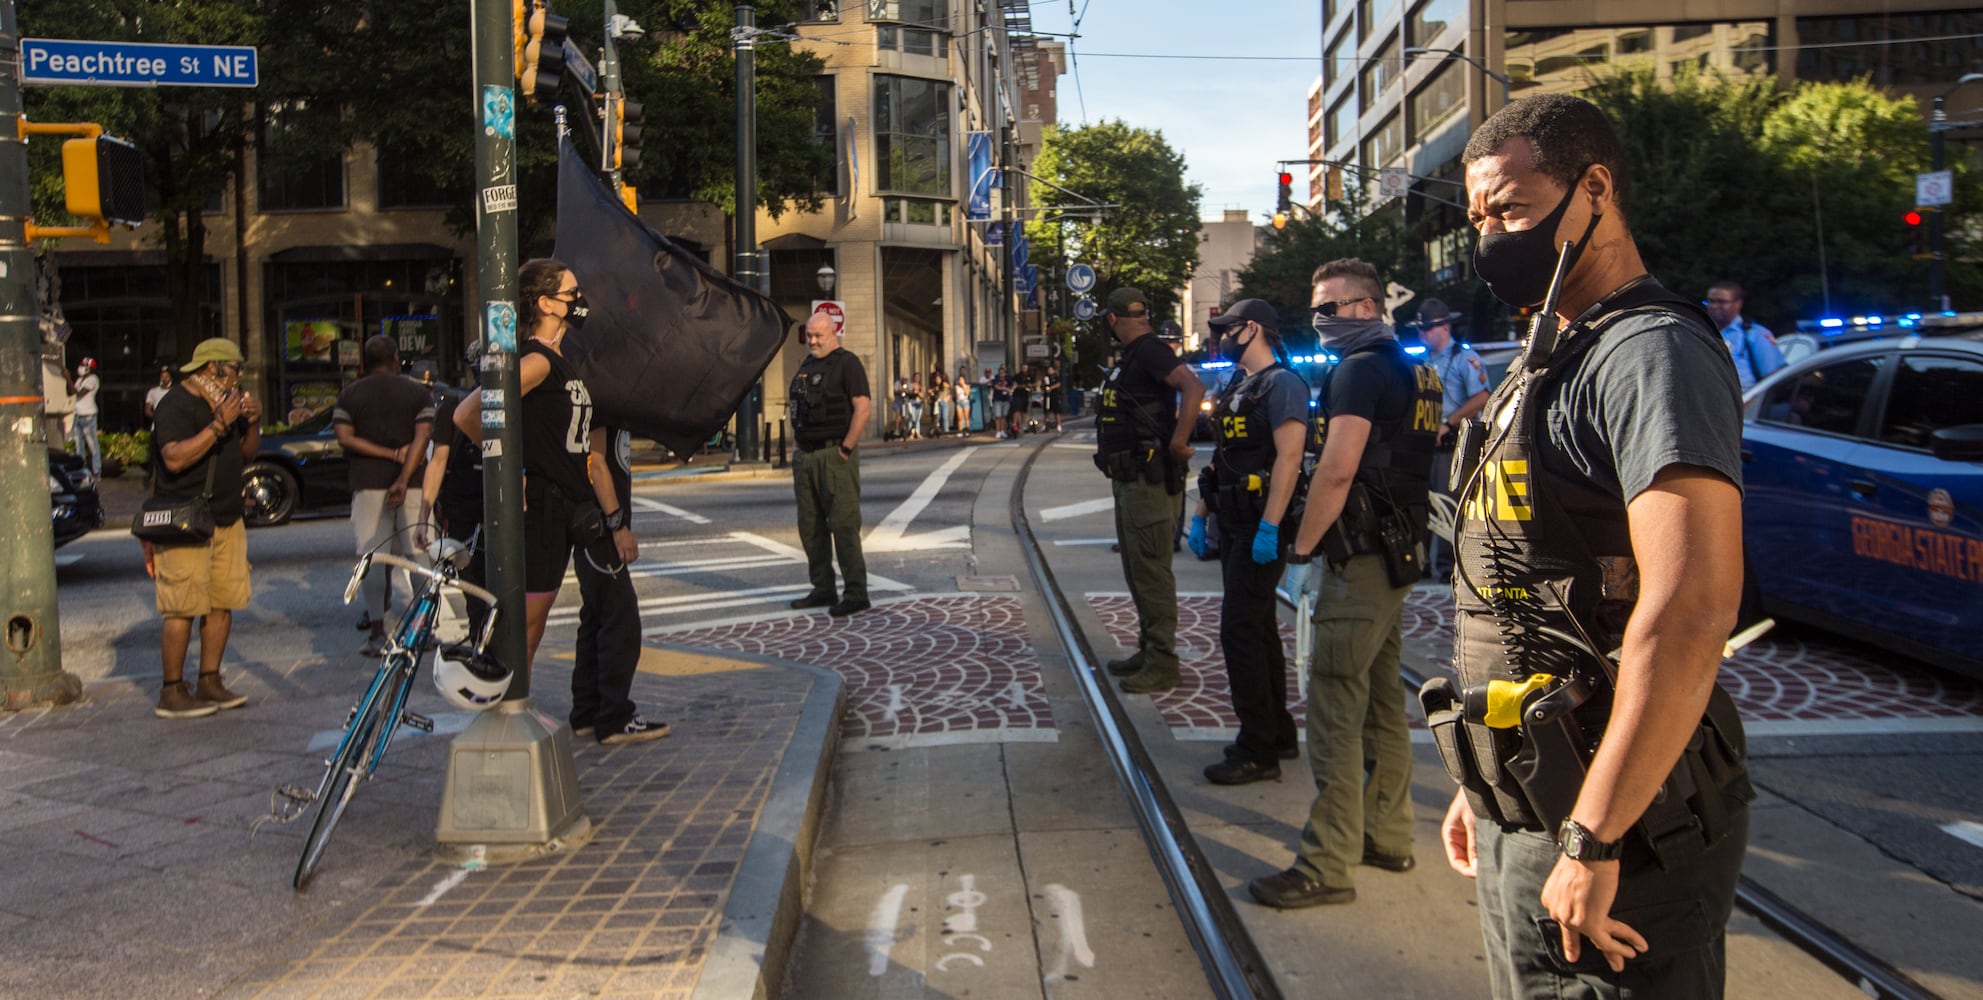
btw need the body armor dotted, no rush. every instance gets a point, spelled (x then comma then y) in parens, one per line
(820, 414)
(1128, 422)
(1396, 466)
(1235, 482)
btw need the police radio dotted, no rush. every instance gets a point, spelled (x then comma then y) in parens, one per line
(1543, 328)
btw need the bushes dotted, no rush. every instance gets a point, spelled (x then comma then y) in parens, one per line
(128, 451)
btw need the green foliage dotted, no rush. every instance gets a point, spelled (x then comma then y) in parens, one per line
(1280, 270)
(129, 450)
(1149, 242)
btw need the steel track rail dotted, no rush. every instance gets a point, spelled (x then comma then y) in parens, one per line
(1233, 965)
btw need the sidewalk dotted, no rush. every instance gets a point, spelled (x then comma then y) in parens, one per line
(132, 870)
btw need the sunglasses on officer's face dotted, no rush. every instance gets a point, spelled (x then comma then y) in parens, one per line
(1328, 310)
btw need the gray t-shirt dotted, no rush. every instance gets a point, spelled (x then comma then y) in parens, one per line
(1653, 393)
(1282, 393)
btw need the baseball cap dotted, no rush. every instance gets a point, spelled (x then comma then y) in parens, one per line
(1248, 311)
(210, 350)
(1433, 312)
(1123, 299)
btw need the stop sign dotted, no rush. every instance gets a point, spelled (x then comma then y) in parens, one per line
(835, 310)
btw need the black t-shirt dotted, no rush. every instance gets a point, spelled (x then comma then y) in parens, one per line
(846, 378)
(182, 415)
(557, 426)
(460, 496)
(383, 408)
(1146, 362)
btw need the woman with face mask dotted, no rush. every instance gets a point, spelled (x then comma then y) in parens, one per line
(1261, 424)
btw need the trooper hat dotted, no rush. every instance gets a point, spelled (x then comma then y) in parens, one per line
(1433, 312)
(211, 350)
(1249, 311)
(1123, 299)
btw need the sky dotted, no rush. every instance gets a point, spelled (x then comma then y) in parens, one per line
(1232, 118)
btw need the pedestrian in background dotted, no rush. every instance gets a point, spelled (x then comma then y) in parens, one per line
(1050, 393)
(1607, 840)
(830, 404)
(915, 400)
(940, 398)
(156, 393)
(451, 490)
(208, 428)
(1750, 344)
(1261, 426)
(1142, 444)
(382, 421)
(962, 389)
(1001, 390)
(1365, 516)
(1463, 382)
(83, 431)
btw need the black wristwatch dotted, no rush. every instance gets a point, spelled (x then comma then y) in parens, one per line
(1578, 843)
(618, 519)
(845, 452)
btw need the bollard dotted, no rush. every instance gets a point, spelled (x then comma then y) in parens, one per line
(781, 444)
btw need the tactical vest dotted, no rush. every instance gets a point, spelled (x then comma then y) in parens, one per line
(1396, 465)
(1126, 421)
(820, 415)
(1545, 582)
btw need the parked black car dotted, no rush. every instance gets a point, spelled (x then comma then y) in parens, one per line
(72, 494)
(301, 470)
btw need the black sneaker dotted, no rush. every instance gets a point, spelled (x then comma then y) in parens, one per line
(1389, 862)
(1294, 889)
(1125, 667)
(1234, 752)
(1243, 771)
(638, 730)
(813, 601)
(849, 606)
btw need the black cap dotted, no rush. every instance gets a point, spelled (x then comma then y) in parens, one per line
(1249, 311)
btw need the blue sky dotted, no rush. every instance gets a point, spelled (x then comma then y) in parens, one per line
(1231, 118)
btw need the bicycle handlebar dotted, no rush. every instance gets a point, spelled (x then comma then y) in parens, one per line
(413, 567)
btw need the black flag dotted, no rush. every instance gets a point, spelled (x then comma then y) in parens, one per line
(671, 346)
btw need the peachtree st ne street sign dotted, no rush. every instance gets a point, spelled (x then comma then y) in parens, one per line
(67, 62)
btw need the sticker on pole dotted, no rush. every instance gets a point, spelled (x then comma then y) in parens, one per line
(1080, 279)
(501, 326)
(499, 198)
(1935, 188)
(499, 111)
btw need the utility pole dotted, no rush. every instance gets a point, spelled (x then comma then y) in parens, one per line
(1007, 280)
(609, 82)
(749, 267)
(31, 664)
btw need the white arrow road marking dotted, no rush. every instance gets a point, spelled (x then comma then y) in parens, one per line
(776, 554)
(1073, 932)
(673, 511)
(880, 938)
(1081, 509)
(888, 536)
(1964, 830)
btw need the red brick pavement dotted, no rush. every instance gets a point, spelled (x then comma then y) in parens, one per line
(919, 670)
(1798, 675)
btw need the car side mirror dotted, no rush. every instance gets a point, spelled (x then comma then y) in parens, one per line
(1958, 444)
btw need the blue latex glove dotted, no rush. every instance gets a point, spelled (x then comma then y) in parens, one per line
(1267, 543)
(1196, 540)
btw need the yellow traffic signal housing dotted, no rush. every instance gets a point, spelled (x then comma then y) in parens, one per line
(626, 133)
(542, 64)
(1333, 184)
(104, 178)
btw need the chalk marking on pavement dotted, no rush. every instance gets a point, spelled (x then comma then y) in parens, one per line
(441, 888)
(1016, 693)
(1084, 541)
(880, 937)
(1085, 507)
(889, 535)
(670, 509)
(1073, 932)
(896, 703)
(963, 925)
(1967, 831)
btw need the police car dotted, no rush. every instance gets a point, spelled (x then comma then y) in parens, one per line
(1863, 490)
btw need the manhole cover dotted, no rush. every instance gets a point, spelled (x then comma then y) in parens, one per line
(1009, 584)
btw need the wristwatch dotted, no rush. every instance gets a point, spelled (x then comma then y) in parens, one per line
(1578, 843)
(618, 519)
(845, 452)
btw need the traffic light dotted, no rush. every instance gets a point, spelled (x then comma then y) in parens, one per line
(1913, 220)
(104, 178)
(540, 48)
(1332, 184)
(626, 133)
(1285, 204)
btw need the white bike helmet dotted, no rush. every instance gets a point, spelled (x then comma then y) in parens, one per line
(468, 679)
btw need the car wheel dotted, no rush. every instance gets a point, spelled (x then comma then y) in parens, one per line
(268, 495)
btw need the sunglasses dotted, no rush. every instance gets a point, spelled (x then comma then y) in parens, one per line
(1717, 302)
(1327, 310)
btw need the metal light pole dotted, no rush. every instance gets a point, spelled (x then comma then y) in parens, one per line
(749, 267)
(31, 667)
(1938, 126)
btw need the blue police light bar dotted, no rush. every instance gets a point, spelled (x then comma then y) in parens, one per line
(1904, 321)
(1831, 323)
(1415, 350)
(1209, 365)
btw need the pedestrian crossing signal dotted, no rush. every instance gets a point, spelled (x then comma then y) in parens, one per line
(104, 178)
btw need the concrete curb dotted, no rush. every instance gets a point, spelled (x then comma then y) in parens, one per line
(767, 901)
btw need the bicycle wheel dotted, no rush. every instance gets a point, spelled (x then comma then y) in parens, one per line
(340, 782)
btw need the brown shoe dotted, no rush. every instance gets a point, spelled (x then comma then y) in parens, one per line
(209, 689)
(175, 702)
(1151, 680)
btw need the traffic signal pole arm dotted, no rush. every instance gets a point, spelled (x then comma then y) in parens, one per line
(98, 230)
(1363, 173)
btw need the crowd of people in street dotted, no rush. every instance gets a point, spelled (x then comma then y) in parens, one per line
(1004, 402)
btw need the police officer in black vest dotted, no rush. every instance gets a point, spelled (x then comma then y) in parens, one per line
(1142, 443)
(1366, 517)
(830, 403)
(1262, 425)
(1603, 802)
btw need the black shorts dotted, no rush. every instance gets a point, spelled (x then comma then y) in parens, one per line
(552, 526)
(1050, 400)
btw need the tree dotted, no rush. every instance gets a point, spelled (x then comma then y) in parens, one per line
(1280, 270)
(1149, 241)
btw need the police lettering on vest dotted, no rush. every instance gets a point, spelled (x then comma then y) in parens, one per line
(1235, 483)
(1396, 464)
(821, 409)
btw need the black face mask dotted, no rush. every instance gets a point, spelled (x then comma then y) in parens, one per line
(1517, 266)
(576, 311)
(1229, 346)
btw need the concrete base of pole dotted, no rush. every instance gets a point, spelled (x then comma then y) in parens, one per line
(512, 790)
(41, 691)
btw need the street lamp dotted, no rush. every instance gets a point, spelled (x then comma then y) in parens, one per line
(1938, 126)
(1457, 54)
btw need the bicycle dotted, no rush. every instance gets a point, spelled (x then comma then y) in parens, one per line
(369, 729)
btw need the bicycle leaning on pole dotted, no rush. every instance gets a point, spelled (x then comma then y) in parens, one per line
(466, 676)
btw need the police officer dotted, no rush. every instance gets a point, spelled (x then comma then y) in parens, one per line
(1261, 424)
(1142, 443)
(830, 403)
(1604, 798)
(1464, 380)
(1750, 344)
(1366, 515)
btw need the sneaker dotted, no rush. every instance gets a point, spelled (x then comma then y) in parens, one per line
(814, 601)
(1128, 666)
(637, 730)
(1389, 862)
(1243, 771)
(1294, 889)
(212, 691)
(175, 702)
(1150, 680)
(375, 646)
